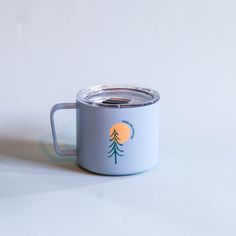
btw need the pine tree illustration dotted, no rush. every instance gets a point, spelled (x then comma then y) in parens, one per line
(115, 146)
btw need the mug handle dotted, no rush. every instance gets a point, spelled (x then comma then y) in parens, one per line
(55, 108)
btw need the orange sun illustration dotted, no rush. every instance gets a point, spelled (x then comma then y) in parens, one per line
(123, 130)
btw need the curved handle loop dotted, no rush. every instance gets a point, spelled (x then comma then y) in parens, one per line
(55, 108)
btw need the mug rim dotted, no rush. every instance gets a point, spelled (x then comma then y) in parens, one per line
(151, 95)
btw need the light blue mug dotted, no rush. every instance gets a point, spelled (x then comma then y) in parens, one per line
(117, 129)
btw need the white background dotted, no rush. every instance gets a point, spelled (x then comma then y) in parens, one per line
(186, 50)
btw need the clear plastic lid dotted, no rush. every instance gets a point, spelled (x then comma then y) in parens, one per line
(119, 96)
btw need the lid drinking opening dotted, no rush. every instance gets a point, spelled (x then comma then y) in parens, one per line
(116, 101)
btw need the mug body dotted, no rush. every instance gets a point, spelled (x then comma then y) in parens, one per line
(117, 138)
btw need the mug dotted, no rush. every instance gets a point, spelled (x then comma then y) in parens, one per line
(117, 129)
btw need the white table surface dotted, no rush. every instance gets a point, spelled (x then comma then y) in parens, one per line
(42, 194)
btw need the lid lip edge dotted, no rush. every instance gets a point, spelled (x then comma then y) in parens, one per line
(155, 95)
